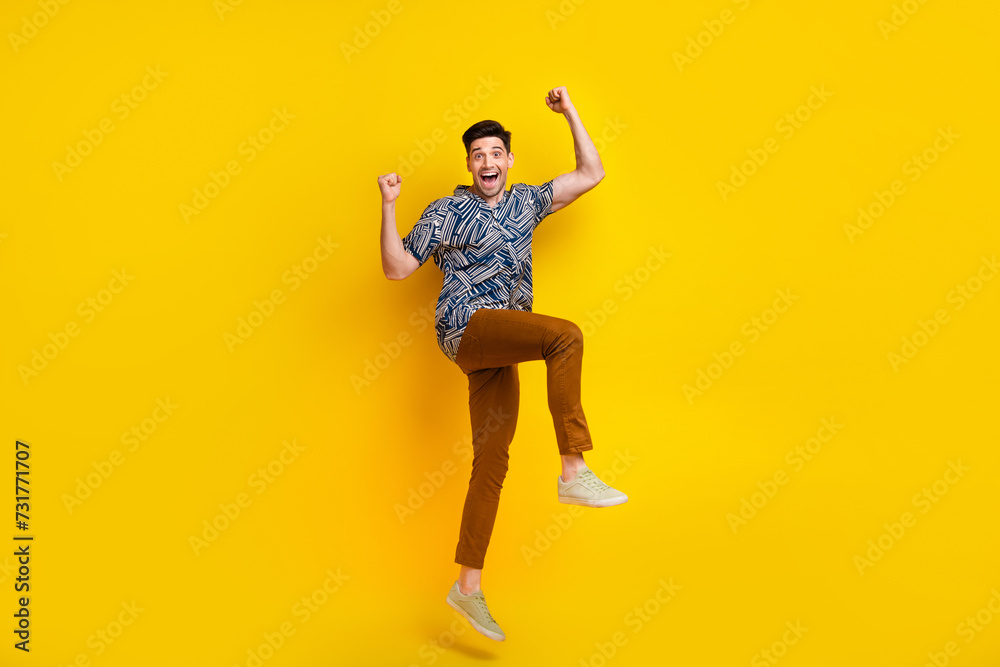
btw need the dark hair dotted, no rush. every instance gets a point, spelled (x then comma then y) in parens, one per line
(486, 128)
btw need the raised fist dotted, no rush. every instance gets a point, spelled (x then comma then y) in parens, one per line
(558, 100)
(389, 184)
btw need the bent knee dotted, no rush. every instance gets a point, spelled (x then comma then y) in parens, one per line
(572, 334)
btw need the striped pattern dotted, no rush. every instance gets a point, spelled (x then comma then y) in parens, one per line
(485, 254)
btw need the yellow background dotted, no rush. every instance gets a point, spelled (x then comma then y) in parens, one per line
(669, 134)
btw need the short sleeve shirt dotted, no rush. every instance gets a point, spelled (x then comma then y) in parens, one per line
(484, 253)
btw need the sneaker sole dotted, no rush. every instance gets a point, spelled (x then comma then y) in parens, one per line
(609, 502)
(475, 625)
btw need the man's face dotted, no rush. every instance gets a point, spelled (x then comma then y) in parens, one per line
(489, 161)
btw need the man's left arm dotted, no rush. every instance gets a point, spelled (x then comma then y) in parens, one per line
(589, 170)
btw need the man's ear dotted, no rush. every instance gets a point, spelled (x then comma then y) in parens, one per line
(468, 166)
(510, 160)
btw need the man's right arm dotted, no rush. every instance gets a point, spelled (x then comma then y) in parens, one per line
(397, 264)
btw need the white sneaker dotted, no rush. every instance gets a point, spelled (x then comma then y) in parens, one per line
(587, 489)
(473, 608)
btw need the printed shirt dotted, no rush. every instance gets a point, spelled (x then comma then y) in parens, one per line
(484, 253)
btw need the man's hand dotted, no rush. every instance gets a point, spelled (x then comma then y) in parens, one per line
(558, 100)
(389, 184)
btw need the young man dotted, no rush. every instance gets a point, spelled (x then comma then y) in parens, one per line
(480, 238)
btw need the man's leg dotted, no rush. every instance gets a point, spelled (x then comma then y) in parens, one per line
(493, 404)
(494, 342)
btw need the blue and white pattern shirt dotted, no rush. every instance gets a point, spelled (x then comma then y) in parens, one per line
(484, 253)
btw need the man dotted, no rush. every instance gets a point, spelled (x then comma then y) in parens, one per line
(480, 238)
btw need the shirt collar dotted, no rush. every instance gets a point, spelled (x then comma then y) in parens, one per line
(466, 191)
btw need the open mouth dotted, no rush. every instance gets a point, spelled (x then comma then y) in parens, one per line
(489, 177)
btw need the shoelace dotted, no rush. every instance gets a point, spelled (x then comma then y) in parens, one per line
(481, 603)
(590, 480)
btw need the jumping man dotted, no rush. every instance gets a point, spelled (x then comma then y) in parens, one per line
(480, 238)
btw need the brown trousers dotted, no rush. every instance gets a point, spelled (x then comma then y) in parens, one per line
(493, 343)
